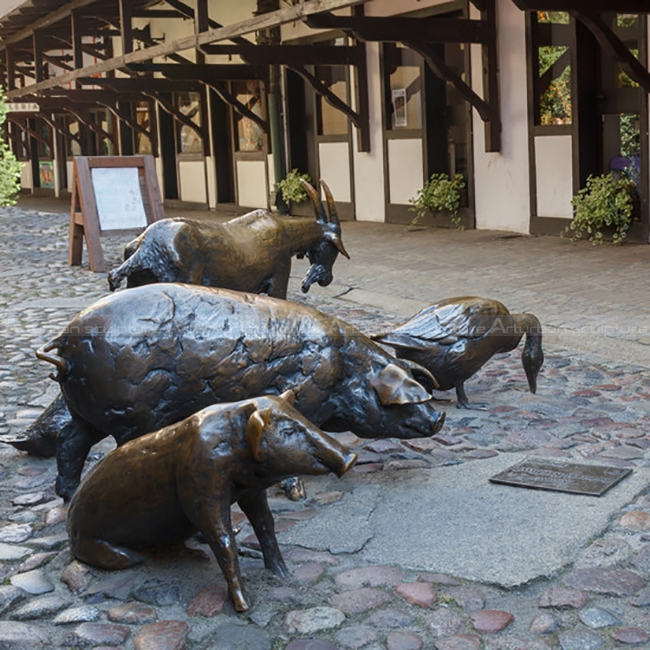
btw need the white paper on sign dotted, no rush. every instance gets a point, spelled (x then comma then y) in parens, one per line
(118, 198)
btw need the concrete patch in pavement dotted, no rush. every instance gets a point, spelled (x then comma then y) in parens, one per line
(452, 520)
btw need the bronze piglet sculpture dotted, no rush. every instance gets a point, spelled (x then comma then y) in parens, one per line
(251, 253)
(165, 486)
(457, 336)
(148, 357)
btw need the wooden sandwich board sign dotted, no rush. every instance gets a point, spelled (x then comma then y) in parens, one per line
(110, 195)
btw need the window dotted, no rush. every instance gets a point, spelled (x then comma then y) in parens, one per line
(189, 105)
(403, 86)
(627, 28)
(143, 143)
(250, 136)
(552, 68)
(332, 121)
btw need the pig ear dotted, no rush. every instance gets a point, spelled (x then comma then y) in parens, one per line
(393, 385)
(421, 374)
(254, 430)
(288, 396)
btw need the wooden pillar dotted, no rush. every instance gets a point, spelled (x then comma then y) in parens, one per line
(491, 80)
(127, 144)
(125, 26)
(11, 69)
(39, 69)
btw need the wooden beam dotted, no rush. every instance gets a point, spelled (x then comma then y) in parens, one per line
(363, 100)
(11, 69)
(610, 41)
(82, 117)
(142, 84)
(28, 131)
(328, 95)
(275, 18)
(50, 19)
(156, 13)
(39, 68)
(58, 129)
(177, 115)
(396, 28)
(238, 106)
(444, 72)
(58, 61)
(77, 44)
(285, 54)
(203, 71)
(125, 26)
(491, 93)
(126, 118)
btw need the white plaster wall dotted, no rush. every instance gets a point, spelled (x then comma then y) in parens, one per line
(211, 173)
(70, 171)
(334, 165)
(501, 180)
(554, 174)
(298, 29)
(369, 166)
(271, 172)
(227, 13)
(405, 165)
(391, 7)
(161, 179)
(26, 180)
(252, 184)
(191, 179)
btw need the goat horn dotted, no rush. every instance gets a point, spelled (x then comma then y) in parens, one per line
(331, 205)
(319, 210)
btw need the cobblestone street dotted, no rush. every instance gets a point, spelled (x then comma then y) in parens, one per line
(588, 408)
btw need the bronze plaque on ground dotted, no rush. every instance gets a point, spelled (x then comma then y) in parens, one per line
(561, 476)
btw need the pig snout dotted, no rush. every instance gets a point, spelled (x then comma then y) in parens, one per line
(423, 421)
(334, 456)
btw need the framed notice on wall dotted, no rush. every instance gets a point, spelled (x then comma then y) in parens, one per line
(399, 107)
(110, 195)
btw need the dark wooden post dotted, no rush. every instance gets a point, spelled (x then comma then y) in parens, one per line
(125, 26)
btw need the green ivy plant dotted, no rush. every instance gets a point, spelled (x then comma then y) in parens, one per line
(440, 193)
(291, 187)
(605, 202)
(10, 168)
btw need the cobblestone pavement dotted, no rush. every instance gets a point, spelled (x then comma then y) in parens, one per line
(48, 600)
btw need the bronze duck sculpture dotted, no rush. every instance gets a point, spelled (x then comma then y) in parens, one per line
(454, 338)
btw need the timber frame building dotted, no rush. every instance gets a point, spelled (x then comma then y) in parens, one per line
(523, 98)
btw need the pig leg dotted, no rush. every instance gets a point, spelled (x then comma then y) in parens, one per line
(103, 554)
(73, 446)
(256, 507)
(212, 519)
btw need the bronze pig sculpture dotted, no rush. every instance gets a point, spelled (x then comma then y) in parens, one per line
(145, 358)
(251, 253)
(456, 337)
(162, 488)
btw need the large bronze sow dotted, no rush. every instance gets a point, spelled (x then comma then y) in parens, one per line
(145, 358)
(165, 486)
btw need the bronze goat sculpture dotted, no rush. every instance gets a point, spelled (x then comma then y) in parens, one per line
(250, 253)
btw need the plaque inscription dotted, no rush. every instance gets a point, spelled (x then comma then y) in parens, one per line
(560, 476)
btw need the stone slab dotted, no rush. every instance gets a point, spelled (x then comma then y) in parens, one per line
(453, 520)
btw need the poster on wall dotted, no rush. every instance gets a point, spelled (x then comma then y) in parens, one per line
(399, 107)
(46, 174)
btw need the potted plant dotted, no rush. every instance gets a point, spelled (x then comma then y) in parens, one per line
(439, 194)
(604, 204)
(293, 192)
